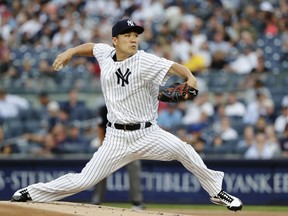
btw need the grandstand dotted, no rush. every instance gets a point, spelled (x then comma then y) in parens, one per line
(221, 34)
(238, 50)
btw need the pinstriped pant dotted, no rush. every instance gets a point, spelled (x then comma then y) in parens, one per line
(118, 149)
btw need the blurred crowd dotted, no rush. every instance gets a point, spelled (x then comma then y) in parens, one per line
(237, 49)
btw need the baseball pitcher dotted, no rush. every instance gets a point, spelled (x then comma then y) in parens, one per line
(130, 80)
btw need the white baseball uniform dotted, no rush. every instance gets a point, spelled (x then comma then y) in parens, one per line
(130, 89)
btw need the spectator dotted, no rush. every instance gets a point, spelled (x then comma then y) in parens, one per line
(248, 140)
(11, 105)
(6, 147)
(245, 62)
(282, 120)
(261, 149)
(261, 67)
(47, 147)
(263, 106)
(46, 72)
(28, 75)
(43, 99)
(284, 142)
(251, 13)
(64, 36)
(260, 124)
(284, 101)
(218, 100)
(196, 138)
(173, 17)
(199, 111)
(272, 138)
(40, 142)
(64, 116)
(269, 18)
(60, 135)
(204, 53)
(170, 117)
(198, 38)
(218, 44)
(234, 107)
(245, 29)
(4, 57)
(196, 62)
(53, 109)
(181, 48)
(35, 142)
(216, 119)
(225, 130)
(29, 29)
(247, 39)
(219, 49)
(252, 86)
(49, 144)
(76, 108)
(75, 139)
(219, 61)
(51, 114)
(284, 47)
(218, 146)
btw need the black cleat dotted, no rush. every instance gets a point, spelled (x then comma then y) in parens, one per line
(21, 195)
(225, 199)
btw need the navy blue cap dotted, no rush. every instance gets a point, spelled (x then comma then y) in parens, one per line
(125, 26)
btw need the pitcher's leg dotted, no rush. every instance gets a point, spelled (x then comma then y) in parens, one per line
(165, 146)
(210, 180)
(102, 164)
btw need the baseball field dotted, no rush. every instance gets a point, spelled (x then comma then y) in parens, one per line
(8, 208)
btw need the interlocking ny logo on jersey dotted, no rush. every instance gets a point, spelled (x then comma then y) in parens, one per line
(123, 78)
(130, 23)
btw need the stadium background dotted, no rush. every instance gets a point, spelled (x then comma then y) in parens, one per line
(233, 47)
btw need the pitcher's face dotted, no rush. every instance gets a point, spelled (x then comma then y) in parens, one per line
(126, 45)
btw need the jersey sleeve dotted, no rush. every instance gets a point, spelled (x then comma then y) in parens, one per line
(155, 68)
(101, 51)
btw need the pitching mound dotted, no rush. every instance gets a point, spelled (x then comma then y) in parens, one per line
(8, 208)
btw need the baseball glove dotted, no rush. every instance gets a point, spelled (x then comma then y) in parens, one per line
(177, 92)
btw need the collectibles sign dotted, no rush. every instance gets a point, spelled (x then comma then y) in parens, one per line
(162, 182)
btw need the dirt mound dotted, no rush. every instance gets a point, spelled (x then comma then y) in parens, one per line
(8, 208)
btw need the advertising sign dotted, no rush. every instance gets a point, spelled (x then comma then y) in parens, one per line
(264, 182)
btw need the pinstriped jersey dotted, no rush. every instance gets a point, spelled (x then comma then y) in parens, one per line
(131, 87)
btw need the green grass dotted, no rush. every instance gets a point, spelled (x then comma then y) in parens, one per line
(199, 207)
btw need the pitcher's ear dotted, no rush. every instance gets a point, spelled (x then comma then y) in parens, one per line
(114, 41)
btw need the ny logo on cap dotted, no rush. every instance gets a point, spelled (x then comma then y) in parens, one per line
(130, 23)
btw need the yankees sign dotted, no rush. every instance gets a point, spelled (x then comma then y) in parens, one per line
(262, 183)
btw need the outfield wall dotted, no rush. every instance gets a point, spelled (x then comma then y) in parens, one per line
(261, 182)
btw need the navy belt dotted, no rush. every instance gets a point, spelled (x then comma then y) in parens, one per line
(128, 127)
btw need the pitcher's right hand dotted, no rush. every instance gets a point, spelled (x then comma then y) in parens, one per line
(62, 60)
